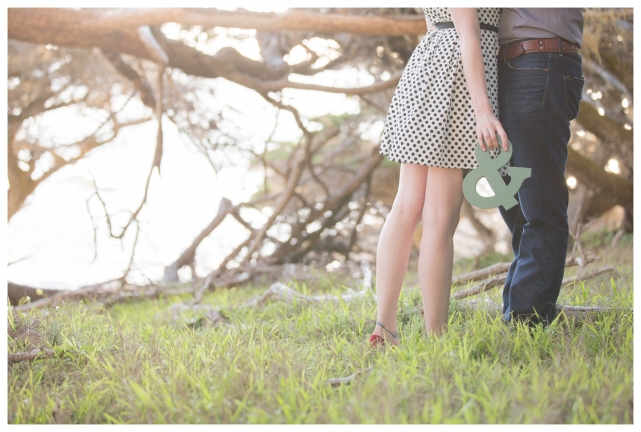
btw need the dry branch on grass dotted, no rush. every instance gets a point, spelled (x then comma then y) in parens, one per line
(139, 295)
(335, 382)
(202, 315)
(499, 279)
(591, 275)
(487, 284)
(582, 310)
(112, 292)
(281, 292)
(503, 267)
(483, 273)
(576, 311)
(495, 309)
(87, 292)
(30, 355)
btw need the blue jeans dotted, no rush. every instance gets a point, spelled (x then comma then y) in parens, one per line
(539, 93)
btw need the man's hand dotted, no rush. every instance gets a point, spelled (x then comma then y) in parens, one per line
(487, 127)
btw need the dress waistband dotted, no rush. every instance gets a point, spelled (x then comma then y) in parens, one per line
(449, 24)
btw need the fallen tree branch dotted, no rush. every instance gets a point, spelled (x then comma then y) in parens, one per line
(335, 382)
(495, 308)
(16, 292)
(483, 273)
(281, 292)
(591, 275)
(486, 285)
(582, 310)
(30, 355)
(154, 293)
(81, 293)
(504, 266)
(499, 280)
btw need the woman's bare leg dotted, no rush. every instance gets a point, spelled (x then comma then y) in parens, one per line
(441, 212)
(395, 244)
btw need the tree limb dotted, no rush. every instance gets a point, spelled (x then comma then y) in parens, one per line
(88, 29)
(171, 271)
(124, 20)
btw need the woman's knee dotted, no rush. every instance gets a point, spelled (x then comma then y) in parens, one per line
(408, 210)
(441, 220)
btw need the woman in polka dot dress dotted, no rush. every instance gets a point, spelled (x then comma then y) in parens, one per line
(445, 102)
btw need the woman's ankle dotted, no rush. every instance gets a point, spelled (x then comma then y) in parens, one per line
(389, 333)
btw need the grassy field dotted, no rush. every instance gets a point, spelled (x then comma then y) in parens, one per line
(135, 364)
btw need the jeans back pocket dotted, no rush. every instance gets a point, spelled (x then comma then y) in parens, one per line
(573, 90)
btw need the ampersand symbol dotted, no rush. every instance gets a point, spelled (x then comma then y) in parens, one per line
(489, 168)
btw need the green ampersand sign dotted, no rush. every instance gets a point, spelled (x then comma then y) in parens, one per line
(489, 168)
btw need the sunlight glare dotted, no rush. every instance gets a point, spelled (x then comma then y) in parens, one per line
(613, 166)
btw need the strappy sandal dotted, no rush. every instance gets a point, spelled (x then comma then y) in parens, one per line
(375, 339)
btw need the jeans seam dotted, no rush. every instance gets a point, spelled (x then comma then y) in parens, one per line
(567, 78)
(547, 83)
(544, 279)
(526, 69)
(565, 98)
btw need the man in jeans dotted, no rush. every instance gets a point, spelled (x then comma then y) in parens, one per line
(540, 85)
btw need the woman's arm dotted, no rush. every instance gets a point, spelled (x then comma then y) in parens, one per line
(466, 21)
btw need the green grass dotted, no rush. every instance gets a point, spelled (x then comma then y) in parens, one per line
(135, 364)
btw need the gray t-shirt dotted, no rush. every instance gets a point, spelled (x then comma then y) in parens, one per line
(539, 23)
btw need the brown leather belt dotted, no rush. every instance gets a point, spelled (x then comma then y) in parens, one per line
(515, 49)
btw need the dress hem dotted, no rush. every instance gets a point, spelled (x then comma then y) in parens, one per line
(397, 160)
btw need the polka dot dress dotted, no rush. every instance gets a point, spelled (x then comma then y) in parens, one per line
(430, 120)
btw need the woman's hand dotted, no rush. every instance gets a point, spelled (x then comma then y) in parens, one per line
(487, 127)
